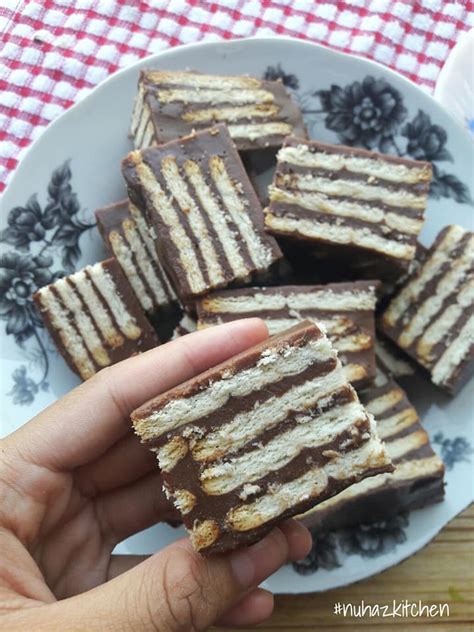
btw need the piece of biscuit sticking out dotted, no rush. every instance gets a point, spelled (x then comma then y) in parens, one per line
(128, 237)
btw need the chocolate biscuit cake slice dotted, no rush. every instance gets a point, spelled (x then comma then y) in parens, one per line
(94, 318)
(259, 438)
(432, 317)
(355, 203)
(345, 310)
(127, 236)
(208, 220)
(169, 104)
(418, 479)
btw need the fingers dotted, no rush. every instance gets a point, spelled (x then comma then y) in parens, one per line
(134, 507)
(122, 563)
(299, 539)
(254, 608)
(126, 461)
(178, 589)
(86, 422)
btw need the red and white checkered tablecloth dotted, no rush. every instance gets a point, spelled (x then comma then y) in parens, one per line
(54, 51)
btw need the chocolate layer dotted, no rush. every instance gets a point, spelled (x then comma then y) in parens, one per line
(259, 438)
(418, 479)
(94, 318)
(431, 318)
(346, 310)
(258, 113)
(208, 221)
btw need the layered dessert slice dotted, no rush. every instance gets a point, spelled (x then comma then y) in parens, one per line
(418, 479)
(127, 236)
(345, 310)
(169, 104)
(94, 318)
(259, 438)
(349, 204)
(432, 316)
(208, 220)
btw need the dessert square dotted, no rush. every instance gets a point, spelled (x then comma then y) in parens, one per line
(418, 479)
(208, 220)
(261, 437)
(170, 104)
(94, 318)
(345, 310)
(357, 204)
(127, 236)
(432, 316)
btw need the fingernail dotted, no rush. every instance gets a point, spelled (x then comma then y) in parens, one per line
(243, 568)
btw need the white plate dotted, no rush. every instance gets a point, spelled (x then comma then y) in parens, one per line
(74, 167)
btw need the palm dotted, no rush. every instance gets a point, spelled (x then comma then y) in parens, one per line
(72, 520)
(75, 481)
(73, 552)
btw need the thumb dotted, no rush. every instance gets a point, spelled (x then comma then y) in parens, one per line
(178, 590)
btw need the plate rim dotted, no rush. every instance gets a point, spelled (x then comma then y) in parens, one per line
(267, 39)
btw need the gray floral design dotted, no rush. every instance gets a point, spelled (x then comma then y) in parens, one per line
(425, 140)
(366, 113)
(454, 450)
(273, 73)
(372, 540)
(323, 554)
(39, 236)
(371, 113)
(365, 540)
(24, 387)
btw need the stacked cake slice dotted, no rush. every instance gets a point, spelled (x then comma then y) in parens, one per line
(353, 202)
(94, 318)
(432, 317)
(261, 437)
(258, 113)
(208, 220)
(127, 236)
(345, 310)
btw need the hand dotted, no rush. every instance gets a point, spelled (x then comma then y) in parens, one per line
(75, 481)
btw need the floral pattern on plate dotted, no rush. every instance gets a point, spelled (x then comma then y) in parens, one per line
(372, 114)
(36, 234)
